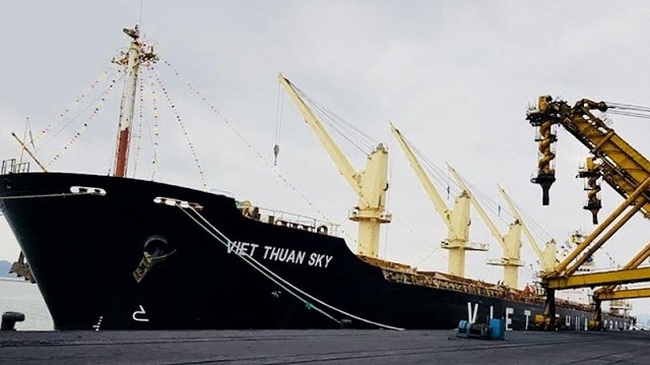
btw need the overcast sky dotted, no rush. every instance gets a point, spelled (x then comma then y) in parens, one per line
(455, 76)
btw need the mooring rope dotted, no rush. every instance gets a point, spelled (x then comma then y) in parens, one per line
(57, 195)
(224, 240)
(246, 259)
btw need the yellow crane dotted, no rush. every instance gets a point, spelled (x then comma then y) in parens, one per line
(457, 219)
(611, 293)
(370, 184)
(547, 258)
(620, 165)
(510, 242)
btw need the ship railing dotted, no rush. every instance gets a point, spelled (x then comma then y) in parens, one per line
(290, 220)
(11, 166)
(394, 266)
(468, 286)
(223, 192)
(478, 288)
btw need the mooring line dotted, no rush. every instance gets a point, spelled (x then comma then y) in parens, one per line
(224, 240)
(57, 195)
(245, 258)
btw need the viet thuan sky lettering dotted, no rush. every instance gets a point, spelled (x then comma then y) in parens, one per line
(455, 77)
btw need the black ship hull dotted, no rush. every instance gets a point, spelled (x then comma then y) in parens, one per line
(84, 249)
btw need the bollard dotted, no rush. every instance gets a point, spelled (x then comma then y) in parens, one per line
(9, 320)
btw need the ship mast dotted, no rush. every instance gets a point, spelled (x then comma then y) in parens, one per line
(131, 60)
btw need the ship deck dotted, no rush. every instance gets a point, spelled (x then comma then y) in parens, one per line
(374, 347)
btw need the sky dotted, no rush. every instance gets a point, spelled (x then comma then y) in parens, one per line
(456, 77)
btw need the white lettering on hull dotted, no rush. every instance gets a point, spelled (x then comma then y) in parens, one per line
(471, 317)
(577, 322)
(138, 315)
(527, 313)
(280, 254)
(509, 312)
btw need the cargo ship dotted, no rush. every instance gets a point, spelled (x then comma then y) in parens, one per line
(118, 253)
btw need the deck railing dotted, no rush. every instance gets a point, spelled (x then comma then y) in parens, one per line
(286, 219)
(11, 166)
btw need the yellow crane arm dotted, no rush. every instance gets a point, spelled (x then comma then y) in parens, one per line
(565, 266)
(370, 184)
(623, 167)
(342, 163)
(634, 263)
(515, 212)
(614, 277)
(429, 187)
(547, 258)
(624, 294)
(488, 222)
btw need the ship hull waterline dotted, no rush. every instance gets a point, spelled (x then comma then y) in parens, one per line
(83, 250)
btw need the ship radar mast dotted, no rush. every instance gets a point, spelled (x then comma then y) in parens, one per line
(131, 60)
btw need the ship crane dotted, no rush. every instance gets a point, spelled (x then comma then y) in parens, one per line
(621, 166)
(457, 219)
(370, 184)
(510, 242)
(547, 257)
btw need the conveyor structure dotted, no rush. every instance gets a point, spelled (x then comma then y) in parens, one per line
(618, 164)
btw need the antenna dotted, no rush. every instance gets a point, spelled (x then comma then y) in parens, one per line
(27, 127)
(141, 12)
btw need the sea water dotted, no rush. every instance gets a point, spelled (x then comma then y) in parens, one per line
(24, 297)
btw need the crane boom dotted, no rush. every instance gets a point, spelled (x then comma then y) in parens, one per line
(457, 219)
(546, 257)
(634, 263)
(488, 222)
(433, 194)
(515, 212)
(510, 242)
(342, 163)
(624, 168)
(370, 185)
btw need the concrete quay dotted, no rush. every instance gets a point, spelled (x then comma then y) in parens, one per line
(371, 347)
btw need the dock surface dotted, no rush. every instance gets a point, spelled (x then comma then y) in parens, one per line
(372, 347)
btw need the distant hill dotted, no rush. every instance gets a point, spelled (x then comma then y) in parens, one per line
(4, 269)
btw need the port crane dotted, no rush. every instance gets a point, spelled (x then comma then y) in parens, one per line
(457, 219)
(510, 242)
(370, 184)
(620, 166)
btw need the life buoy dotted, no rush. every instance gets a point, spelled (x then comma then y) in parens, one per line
(321, 229)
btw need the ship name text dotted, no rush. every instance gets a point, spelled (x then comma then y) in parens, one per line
(472, 311)
(281, 254)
